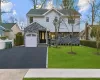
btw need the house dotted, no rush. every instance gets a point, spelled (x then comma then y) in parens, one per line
(45, 18)
(86, 33)
(10, 30)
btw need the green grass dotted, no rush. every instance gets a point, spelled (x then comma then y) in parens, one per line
(85, 57)
(62, 79)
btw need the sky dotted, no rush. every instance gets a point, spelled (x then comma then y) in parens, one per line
(21, 7)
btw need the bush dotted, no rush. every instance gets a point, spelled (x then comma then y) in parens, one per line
(89, 43)
(3, 38)
(19, 39)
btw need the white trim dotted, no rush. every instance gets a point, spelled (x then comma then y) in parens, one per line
(51, 10)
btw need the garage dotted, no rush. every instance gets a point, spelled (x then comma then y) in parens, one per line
(31, 40)
(35, 35)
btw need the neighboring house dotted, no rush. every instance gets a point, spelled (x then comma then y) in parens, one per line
(45, 18)
(86, 34)
(11, 29)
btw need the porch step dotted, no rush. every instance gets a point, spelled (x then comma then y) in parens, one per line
(42, 45)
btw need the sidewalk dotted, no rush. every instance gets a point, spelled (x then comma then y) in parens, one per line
(63, 73)
(12, 74)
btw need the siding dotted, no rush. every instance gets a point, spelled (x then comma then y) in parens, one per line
(49, 25)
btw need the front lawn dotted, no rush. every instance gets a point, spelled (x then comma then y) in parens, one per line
(85, 57)
(61, 79)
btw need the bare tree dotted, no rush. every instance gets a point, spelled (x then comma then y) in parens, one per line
(95, 10)
(68, 4)
(12, 19)
(41, 3)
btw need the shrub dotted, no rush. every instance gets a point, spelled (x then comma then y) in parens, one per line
(3, 38)
(19, 39)
(89, 43)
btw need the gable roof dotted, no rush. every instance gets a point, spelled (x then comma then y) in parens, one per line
(37, 11)
(34, 27)
(43, 11)
(54, 10)
(8, 26)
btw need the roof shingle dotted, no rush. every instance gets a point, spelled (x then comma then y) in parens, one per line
(42, 11)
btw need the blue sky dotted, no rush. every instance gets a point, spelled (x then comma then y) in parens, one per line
(22, 7)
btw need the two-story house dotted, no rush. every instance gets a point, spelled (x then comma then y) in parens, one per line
(44, 18)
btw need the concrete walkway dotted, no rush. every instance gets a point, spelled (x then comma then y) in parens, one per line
(63, 73)
(12, 74)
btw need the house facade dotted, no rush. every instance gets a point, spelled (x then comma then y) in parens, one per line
(86, 33)
(10, 30)
(46, 18)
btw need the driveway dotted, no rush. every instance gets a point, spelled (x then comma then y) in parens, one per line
(23, 58)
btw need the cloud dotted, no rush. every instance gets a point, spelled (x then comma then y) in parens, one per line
(6, 6)
(14, 12)
(83, 5)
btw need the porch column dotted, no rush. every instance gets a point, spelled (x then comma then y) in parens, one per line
(46, 36)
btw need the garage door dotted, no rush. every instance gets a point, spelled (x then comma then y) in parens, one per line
(31, 40)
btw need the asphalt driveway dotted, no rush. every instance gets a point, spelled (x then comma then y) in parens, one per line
(22, 57)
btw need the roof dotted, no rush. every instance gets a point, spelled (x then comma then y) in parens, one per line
(37, 11)
(42, 11)
(34, 27)
(8, 26)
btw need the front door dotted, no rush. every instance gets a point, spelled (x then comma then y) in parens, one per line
(42, 37)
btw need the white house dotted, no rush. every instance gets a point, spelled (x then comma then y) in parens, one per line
(45, 18)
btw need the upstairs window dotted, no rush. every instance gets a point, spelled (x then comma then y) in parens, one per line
(47, 19)
(71, 21)
(31, 19)
(56, 19)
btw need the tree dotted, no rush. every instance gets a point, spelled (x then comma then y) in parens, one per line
(95, 11)
(95, 32)
(40, 3)
(34, 3)
(12, 19)
(56, 22)
(68, 4)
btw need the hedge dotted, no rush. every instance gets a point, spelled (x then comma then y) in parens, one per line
(19, 39)
(89, 43)
(3, 38)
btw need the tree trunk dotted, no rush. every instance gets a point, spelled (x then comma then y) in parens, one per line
(93, 15)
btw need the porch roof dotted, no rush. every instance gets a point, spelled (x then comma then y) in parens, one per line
(34, 27)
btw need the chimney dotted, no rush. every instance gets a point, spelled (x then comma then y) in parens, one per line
(86, 31)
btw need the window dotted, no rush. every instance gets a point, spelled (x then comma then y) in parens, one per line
(71, 21)
(47, 19)
(56, 19)
(28, 35)
(31, 19)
